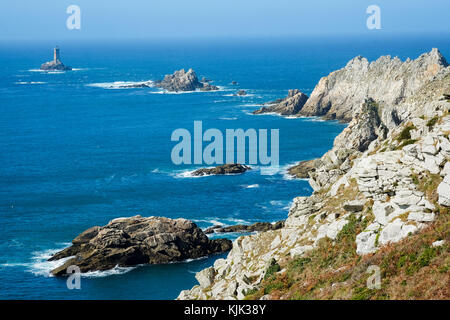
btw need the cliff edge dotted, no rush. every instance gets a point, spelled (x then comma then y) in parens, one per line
(380, 200)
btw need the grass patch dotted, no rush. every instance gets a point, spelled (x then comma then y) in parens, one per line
(405, 134)
(273, 268)
(410, 269)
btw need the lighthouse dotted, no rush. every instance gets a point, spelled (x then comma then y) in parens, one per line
(56, 64)
(56, 54)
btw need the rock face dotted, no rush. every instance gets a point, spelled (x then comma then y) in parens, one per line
(184, 81)
(256, 227)
(389, 169)
(232, 168)
(386, 80)
(137, 240)
(290, 105)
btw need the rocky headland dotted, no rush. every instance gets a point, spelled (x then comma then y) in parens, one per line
(184, 81)
(229, 168)
(381, 196)
(126, 242)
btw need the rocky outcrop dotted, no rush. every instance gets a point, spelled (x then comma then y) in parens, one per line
(387, 171)
(241, 93)
(55, 66)
(302, 170)
(230, 168)
(290, 105)
(138, 240)
(184, 81)
(256, 227)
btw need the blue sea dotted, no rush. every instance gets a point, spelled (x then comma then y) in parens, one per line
(75, 152)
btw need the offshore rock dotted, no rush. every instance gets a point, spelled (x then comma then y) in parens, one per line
(290, 105)
(184, 81)
(231, 168)
(126, 242)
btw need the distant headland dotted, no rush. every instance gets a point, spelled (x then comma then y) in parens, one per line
(56, 64)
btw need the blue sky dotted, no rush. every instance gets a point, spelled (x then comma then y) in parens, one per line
(109, 19)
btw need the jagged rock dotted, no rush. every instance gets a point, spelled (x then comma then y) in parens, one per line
(395, 231)
(184, 81)
(290, 105)
(387, 80)
(205, 277)
(231, 168)
(443, 191)
(256, 227)
(303, 169)
(438, 243)
(138, 240)
(241, 93)
(365, 127)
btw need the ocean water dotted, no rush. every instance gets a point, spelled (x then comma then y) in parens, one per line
(76, 153)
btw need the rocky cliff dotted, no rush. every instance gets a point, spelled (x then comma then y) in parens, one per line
(381, 196)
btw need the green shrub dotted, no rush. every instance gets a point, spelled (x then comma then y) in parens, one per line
(273, 268)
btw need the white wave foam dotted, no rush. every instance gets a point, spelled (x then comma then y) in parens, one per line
(186, 174)
(250, 186)
(14, 264)
(121, 84)
(250, 105)
(106, 273)
(164, 91)
(40, 266)
(30, 82)
(213, 221)
(47, 72)
(225, 118)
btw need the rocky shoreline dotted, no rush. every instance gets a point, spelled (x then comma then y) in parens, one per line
(385, 179)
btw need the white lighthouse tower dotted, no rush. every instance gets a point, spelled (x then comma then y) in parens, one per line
(56, 54)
